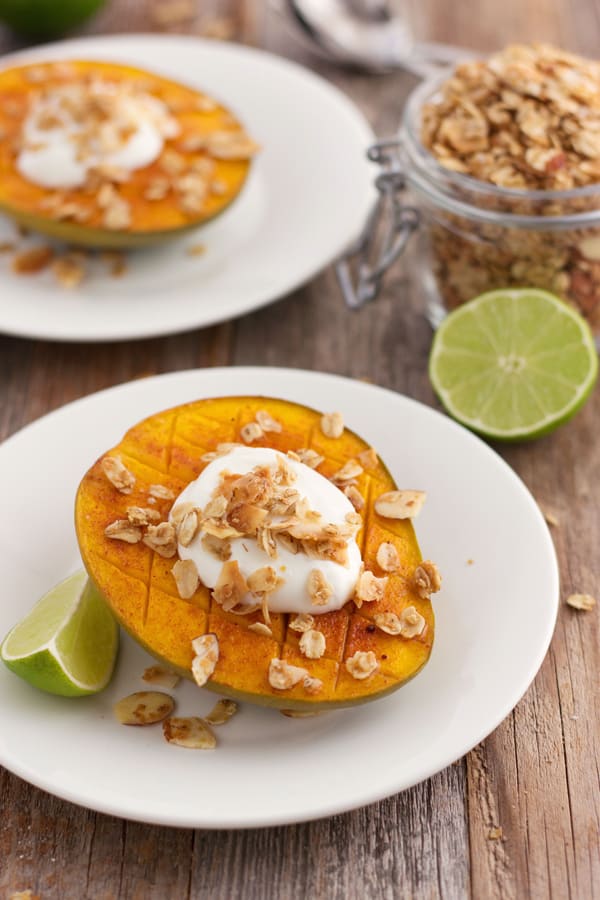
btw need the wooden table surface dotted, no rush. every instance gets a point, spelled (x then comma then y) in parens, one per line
(537, 776)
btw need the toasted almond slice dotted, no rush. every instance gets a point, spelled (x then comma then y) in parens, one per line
(582, 601)
(144, 708)
(219, 547)
(186, 578)
(179, 512)
(267, 422)
(264, 580)
(231, 145)
(312, 644)
(206, 648)
(362, 664)
(221, 712)
(161, 676)
(188, 528)
(369, 588)
(190, 732)
(388, 622)
(231, 586)
(400, 504)
(387, 557)
(141, 515)
(118, 475)
(427, 579)
(33, 260)
(355, 497)
(251, 432)
(319, 589)
(216, 508)
(161, 492)
(283, 676)
(349, 471)
(309, 457)
(332, 425)
(368, 458)
(162, 539)
(260, 628)
(123, 530)
(413, 623)
(302, 622)
(312, 685)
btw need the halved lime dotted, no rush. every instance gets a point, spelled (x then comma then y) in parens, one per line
(68, 643)
(513, 364)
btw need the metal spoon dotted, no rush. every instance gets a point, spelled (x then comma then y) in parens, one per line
(366, 33)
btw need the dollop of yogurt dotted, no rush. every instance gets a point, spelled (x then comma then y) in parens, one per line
(77, 127)
(292, 595)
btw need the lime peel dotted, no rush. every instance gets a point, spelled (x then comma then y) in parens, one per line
(513, 364)
(68, 643)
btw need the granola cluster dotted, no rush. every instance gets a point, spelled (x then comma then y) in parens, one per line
(526, 119)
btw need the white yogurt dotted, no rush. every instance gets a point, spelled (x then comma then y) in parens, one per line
(324, 497)
(51, 157)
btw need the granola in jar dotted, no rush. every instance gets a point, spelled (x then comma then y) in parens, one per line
(505, 157)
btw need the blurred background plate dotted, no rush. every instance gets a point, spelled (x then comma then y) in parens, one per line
(308, 194)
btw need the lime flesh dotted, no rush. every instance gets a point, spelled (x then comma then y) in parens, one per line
(513, 364)
(68, 643)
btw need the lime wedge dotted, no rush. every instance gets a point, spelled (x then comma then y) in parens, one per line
(513, 364)
(68, 643)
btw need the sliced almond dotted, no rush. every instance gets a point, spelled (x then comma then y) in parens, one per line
(162, 539)
(206, 648)
(31, 261)
(309, 457)
(302, 622)
(312, 685)
(400, 504)
(179, 512)
(251, 432)
(267, 422)
(161, 676)
(161, 492)
(141, 515)
(582, 601)
(231, 586)
(332, 425)
(427, 579)
(368, 458)
(118, 475)
(388, 558)
(190, 732)
(186, 578)
(123, 530)
(369, 588)
(413, 623)
(388, 622)
(260, 628)
(355, 497)
(312, 644)
(319, 589)
(219, 547)
(188, 528)
(349, 471)
(144, 708)
(264, 580)
(362, 664)
(283, 676)
(216, 508)
(221, 712)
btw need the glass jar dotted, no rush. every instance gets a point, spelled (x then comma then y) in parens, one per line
(475, 236)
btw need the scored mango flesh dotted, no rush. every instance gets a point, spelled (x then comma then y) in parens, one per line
(152, 220)
(166, 450)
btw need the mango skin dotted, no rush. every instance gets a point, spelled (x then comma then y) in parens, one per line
(153, 221)
(140, 590)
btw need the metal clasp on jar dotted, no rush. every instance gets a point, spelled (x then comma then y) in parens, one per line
(386, 232)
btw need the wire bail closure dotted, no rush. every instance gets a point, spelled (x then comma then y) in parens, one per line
(362, 267)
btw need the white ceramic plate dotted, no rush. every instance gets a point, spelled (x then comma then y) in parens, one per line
(308, 194)
(494, 623)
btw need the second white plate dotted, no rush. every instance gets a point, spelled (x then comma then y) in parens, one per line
(495, 617)
(308, 194)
